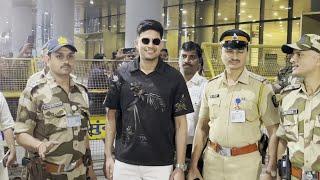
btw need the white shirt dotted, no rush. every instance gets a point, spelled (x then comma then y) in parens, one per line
(195, 87)
(6, 120)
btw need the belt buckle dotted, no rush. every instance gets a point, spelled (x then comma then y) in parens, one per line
(69, 167)
(225, 151)
(309, 175)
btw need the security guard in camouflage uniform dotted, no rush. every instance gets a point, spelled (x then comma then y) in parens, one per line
(299, 129)
(52, 119)
(234, 105)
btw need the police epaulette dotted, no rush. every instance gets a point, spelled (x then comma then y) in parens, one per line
(216, 77)
(290, 88)
(257, 77)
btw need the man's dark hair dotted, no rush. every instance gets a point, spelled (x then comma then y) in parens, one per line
(98, 56)
(192, 46)
(150, 24)
(164, 50)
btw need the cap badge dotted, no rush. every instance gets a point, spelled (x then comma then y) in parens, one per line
(235, 37)
(62, 41)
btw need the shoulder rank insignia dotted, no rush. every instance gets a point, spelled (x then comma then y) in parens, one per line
(216, 77)
(290, 88)
(257, 77)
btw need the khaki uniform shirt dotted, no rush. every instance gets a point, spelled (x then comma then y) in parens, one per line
(43, 112)
(300, 127)
(219, 100)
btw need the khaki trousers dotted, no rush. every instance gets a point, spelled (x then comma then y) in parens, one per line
(241, 167)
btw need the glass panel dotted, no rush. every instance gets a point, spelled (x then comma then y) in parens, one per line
(276, 9)
(205, 12)
(113, 25)
(301, 6)
(173, 17)
(227, 9)
(172, 43)
(249, 10)
(295, 30)
(188, 15)
(173, 2)
(204, 34)
(252, 30)
(122, 22)
(187, 35)
(222, 29)
(275, 33)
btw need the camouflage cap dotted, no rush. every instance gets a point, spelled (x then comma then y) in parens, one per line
(306, 42)
(55, 44)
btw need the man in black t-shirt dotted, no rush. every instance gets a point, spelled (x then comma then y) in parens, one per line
(146, 108)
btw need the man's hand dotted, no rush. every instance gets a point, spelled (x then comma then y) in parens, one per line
(91, 173)
(45, 147)
(194, 173)
(109, 168)
(11, 158)
(177, 174)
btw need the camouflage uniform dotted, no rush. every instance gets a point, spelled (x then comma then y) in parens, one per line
(33, 79)
(300, 115)
(300, 127)
(43, 111)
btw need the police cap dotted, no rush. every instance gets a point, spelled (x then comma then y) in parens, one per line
(235, 39)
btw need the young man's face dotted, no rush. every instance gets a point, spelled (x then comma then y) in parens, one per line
(234, 59)
(149, 45)
(304, 62)
(189, 62)
(164, 55)
(62, 61)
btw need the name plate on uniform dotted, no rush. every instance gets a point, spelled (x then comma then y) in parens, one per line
(238, 116)
(73, 120)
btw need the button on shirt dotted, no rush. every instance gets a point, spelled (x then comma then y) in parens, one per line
(300, 127)
(253, 96)
(195, 87)
(147, 105)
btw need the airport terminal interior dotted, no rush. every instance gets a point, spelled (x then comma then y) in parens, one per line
(108, 27)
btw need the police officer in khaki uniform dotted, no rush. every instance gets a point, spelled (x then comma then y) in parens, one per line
(234, 105)
(52, 119)
(299, 129)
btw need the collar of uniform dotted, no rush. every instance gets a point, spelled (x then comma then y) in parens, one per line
(195, 79)
(53, 83)
(304, 91)
(243, 78)
(135, 66)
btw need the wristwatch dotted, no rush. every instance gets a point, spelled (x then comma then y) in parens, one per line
(272, 173)
(183, 167)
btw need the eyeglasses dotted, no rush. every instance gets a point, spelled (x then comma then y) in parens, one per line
(155, 41)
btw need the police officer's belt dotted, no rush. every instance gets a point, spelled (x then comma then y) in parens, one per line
(55, 168)
(307, 175)
(235, 151)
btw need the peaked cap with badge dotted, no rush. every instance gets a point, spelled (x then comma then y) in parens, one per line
(235, 39)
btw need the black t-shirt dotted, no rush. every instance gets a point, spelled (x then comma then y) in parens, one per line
(146, 106)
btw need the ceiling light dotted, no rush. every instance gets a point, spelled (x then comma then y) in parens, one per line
(163, 14)
(281, 7)
(243, 11)
(184, 23)
(91, 2)
(181, 9)
(219, 14)
(250, 16)
(243, 3)
(226, 19)
(275, 14)
(201, 18)
(184, 12)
